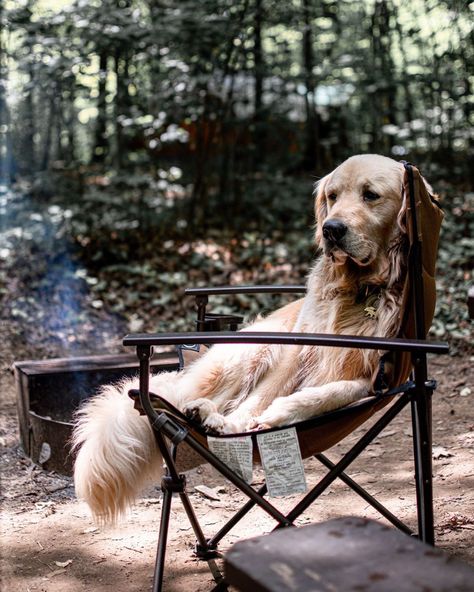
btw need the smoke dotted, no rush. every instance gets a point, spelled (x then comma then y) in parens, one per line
(46, 288)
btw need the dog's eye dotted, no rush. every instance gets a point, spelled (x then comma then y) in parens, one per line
(370, 195)
(332, 197)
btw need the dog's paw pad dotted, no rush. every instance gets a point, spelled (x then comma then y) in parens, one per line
(252, 424)
(199, 410)
(193, 414)
(215, 424)
(255, 424)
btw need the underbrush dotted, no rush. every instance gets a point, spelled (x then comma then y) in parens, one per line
(123, 252)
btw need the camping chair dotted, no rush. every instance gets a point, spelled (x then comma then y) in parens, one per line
(409, 384)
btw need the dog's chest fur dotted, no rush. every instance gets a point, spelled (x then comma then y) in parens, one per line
(329, 308)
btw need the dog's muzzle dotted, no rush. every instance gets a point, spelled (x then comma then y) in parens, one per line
(334, 230)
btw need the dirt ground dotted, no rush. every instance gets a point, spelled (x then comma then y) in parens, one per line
(50, 544)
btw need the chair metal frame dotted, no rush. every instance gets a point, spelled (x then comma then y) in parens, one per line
(172, 428)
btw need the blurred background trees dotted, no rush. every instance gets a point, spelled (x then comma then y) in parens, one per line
(156, 122)
(230, 87)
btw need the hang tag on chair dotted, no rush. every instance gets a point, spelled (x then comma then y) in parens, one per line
(282, 462)
(236, 453)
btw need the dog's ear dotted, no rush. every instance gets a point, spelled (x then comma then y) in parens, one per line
(398, 246)
(320, 207)
(397, 258)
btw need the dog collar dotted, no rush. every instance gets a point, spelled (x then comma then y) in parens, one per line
(371, 295)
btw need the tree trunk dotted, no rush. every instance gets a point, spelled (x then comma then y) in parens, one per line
(228, 128)
(408, 103)
(259, 68)
(311, 152)
(51, 121)
(121, 104)
(155, 15)
(71, 116)
(60, 153)
(29, 128)
(6, 155)
(101, 142)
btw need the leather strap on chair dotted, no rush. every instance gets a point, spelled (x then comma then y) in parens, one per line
(421, 216)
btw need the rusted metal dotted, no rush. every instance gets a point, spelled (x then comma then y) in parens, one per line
(50, 391)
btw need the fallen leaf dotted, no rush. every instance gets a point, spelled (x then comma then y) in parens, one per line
(207, 492)
(63, 563)
(387, 434)
(90, 530)
(456, 521)
(440, 452)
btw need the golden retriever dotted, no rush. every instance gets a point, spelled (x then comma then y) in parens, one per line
(354, 288)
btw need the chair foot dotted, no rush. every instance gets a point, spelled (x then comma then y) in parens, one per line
(221, 587)
(206, 552)
(421, 420)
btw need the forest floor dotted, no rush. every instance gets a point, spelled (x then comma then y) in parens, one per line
(49, 542)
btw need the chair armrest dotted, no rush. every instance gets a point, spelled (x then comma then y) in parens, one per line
(315, 339)
(211, 291)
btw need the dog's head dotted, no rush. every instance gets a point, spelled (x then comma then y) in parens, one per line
(357, 206)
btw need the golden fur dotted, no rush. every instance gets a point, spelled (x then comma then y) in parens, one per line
(234, 388)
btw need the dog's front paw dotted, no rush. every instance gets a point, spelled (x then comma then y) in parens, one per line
(200, 409)
(206, 413)
(217, 424)
(254, 425)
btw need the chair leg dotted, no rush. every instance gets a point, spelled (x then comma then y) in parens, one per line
(346, 460)
(161, 552)
(422, 443)
(205, 549)
(365, 495)
(236, 518)
(201, 539)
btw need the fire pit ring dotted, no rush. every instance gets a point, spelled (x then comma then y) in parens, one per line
(50, 391)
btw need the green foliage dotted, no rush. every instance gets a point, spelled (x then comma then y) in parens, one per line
(455, 265)
(179, 140)
(127, 82)
(54, 279)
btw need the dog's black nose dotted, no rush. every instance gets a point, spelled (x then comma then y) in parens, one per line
(334, 230)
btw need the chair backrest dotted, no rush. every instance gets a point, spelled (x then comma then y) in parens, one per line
(422, 217)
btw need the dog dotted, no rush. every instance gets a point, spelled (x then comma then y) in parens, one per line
(354, 288)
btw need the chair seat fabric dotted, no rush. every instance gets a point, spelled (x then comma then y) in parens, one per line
(314, 435)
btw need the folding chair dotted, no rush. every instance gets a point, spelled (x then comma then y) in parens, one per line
(409, 384)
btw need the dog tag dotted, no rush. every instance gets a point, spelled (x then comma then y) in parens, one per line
(370, 311)
(236, 453)
(282, 463)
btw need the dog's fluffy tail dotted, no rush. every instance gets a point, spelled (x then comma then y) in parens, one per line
(116, 452)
